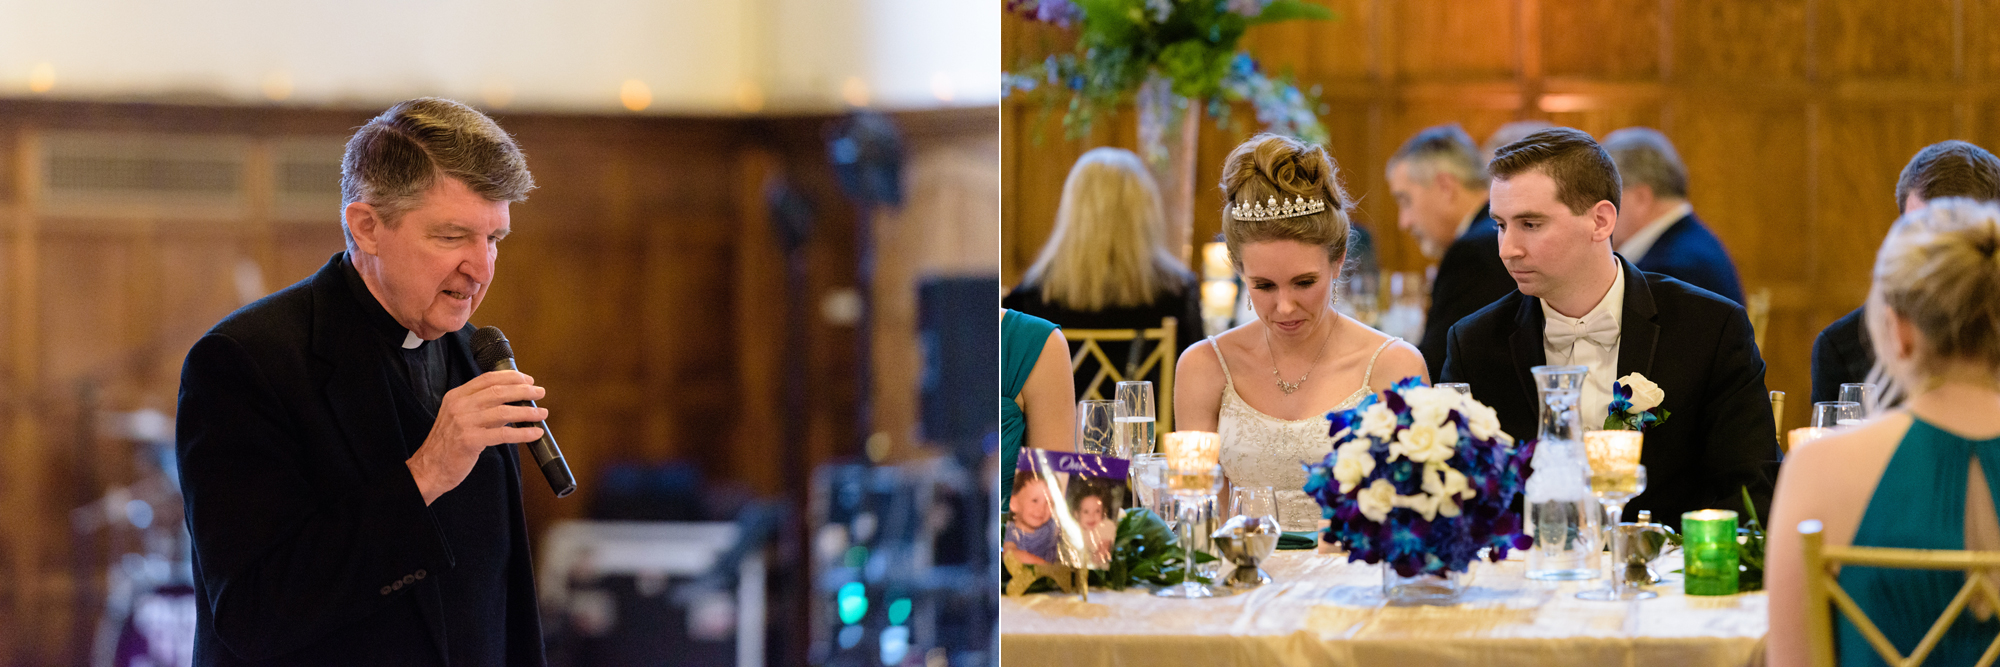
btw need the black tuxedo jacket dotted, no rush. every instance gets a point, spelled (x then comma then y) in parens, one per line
(312, 544)
(1691, 253)
(1840, 355)
(1468, 277)
(1695, 345)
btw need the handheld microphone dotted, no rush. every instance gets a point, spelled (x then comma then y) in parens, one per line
(490, 347)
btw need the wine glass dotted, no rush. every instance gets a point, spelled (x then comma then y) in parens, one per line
(1149, 480)
(1831, 414)
(1094, 425)
(1615, 478)
(1133, 422)
(1860, 393)
(1193, 489)
(1462, 388)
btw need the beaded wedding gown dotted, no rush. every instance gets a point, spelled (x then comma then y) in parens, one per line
(1262, 450)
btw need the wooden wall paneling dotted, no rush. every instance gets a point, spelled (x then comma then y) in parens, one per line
(1865, 148)
(761, 321)
(25, 477)
(1608, 39)
(1456, 40)
(1340, 49)
(1913, 40)
(1729, 40)
(1979, 34)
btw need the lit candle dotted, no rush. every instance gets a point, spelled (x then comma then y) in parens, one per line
(1616, 452)
(1215, 262)
(1708, 544)
(1191, 450)
(1218, 298)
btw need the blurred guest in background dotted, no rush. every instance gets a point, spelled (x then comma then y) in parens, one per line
(1555, 200)
(1440, 189)
(1289, 256)
(1508, 134)
(1843, 352)
(1106, 264)
(1916, 477)
(1037, 402)
(1657, 229)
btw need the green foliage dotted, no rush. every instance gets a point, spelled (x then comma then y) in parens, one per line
(1147, 553)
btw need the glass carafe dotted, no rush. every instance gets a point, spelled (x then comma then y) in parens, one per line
(1564, 517)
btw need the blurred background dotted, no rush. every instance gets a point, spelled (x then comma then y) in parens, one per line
(1794, 118)
(742, 280)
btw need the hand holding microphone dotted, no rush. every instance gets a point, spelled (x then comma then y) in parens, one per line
(491, 349)
(496, 408)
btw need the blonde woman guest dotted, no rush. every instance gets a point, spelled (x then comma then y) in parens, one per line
(1107, 264)
(1299, 359)
(1915, 477)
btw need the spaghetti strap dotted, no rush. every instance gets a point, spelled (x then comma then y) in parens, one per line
(1369, 376)
(1217, 347)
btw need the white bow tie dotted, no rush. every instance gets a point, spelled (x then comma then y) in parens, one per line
(1601, 331)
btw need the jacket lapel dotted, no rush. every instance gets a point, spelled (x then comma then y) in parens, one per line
(1526, 342)
(1639, 332)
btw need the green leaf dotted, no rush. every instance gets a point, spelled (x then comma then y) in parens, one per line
(1291, 10)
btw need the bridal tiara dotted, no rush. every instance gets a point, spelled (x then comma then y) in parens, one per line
(1276, 209)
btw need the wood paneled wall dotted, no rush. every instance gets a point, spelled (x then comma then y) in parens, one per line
(641, 287)
(1794, 117)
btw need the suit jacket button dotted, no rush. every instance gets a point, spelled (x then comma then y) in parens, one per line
(409, 579)
(420, 574)
(396, 586)
(385, 590)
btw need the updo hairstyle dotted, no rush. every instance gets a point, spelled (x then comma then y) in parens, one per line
(1271, 165)
(1939, 269)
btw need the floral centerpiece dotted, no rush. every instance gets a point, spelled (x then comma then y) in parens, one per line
(1421, 478)
(1164, 49)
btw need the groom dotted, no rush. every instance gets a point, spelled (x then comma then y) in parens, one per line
(1555, 201)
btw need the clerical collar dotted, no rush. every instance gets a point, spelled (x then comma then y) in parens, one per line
(377, 318)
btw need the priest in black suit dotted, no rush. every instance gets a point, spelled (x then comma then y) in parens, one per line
(1555, 201)
(1842, 353)
(1657, 227)
(350, 488)
(1440, 188)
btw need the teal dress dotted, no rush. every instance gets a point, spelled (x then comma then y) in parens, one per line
(1022, 338)
(1918, 504)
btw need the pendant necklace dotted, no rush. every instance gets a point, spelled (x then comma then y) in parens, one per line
(1289, 387)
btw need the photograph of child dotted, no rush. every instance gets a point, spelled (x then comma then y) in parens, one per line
(1096, 503)
(1031, 536)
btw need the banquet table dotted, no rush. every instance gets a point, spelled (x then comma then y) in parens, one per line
(1322, 610)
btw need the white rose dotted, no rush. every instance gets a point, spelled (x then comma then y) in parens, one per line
(1429, 406)
(1481, 420)
(1424, 503)
(1423, 443)
(1645, 394)
(1353, 463)
(1377, 500)
(1377, 421)
(1446, 482)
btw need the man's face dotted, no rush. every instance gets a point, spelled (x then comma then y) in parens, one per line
(1030, 505)
(432, 269)
(1423, 209)
(1288, 283)
(1546, 247)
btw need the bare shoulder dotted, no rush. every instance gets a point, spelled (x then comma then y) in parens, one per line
(1870, 442)
(1198, 362)
(1399, 361)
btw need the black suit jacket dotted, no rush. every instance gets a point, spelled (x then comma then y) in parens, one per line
(1695, 345)
(312, 544)
(1691, 253)
(1841, 354)
(1468, 277)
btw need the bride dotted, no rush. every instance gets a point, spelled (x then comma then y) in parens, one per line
(1285, 224)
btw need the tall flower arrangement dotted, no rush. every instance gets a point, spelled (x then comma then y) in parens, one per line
(1421, 478)
(1153, 48)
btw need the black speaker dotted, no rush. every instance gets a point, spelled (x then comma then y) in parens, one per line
(958, 329)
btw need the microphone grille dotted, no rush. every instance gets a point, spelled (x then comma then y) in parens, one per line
(490, 347)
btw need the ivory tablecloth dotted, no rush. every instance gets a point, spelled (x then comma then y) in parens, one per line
(1321, 610)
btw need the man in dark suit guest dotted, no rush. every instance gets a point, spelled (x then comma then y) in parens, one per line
(1440, 189)
(1842, 353)
(350, 488)
(1657, 227)
(1555, 202)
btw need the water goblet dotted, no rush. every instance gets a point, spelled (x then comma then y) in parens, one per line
(1149, 482)
(1193, 490)
(1859, 393)
(1094, 426)
(1833, 414)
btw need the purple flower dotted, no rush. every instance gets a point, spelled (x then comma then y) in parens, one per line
(1248, 8)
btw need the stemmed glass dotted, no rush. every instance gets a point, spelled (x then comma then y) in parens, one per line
(1859, 393)
(1133, 419)
(1149, 480)
(1460, 387)
(1831, 414)
(1615, 478)
(1094, 420)
(1194, 477)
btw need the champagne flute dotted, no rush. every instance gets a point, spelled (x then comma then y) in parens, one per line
(1094, 425)
(1134, 419)
(1859, 393)
(1832, 414)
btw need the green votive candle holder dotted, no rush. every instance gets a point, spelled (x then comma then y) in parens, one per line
(1708, 547)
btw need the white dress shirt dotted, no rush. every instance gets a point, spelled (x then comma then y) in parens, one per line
(1635, 247)
(1601, 359)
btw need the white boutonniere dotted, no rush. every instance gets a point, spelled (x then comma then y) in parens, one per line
(1633, 401)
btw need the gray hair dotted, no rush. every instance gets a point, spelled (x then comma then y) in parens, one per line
(1443, 148)
(394, 159)
(1645, 157)
(1508, 134)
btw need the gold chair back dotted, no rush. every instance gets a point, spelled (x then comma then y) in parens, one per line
(1823, 594)
(1089, 347)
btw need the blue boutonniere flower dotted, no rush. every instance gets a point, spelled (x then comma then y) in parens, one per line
(1634, 399)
